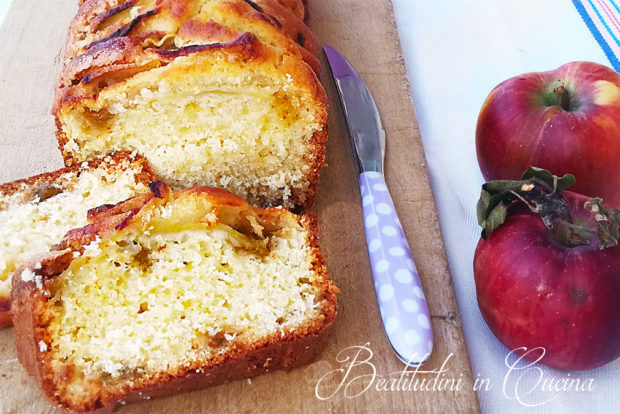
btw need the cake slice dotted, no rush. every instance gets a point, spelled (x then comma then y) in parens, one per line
(36, 212)
(222, 93)
(171, 291)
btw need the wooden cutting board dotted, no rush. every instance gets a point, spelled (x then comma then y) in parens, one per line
(32, 40)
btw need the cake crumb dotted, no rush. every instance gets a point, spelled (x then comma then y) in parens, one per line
(38, 281)
(249, 381)
(27, 275)
(71, 146)
(42, 346)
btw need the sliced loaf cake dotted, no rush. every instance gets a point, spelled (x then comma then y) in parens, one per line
(36, 212)
(171, 291)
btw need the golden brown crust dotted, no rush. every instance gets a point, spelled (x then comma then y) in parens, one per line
(207, 32)
(279, 25)
(157, 24)
(29, 187)
(293, 26)
(5, 312)
(101, 20)
(99, 54)
(92, 71)
(25, 300)
(27, 306)
(28, 302)
(146, 174)
(297, 7)
(287, 350)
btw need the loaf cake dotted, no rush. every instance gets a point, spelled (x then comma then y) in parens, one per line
(221, 93)
(37, 212)
(171, 291)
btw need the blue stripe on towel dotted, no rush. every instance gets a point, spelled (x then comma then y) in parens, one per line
(602, 19)
(613, 59)
(615, 5)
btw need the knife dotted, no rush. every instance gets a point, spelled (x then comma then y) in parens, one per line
(399, 292)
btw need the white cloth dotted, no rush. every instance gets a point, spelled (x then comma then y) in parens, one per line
(456, 52)
(4, 8)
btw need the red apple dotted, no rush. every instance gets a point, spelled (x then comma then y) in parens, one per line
(540, 286)
(566, 121)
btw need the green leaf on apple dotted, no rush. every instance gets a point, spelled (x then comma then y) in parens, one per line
(558, 183)
(539, 190)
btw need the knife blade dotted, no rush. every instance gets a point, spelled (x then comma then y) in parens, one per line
(401, 300)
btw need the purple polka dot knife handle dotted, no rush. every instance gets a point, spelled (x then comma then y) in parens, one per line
(399, 292)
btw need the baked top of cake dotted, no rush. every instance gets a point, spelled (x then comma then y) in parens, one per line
(169, 290)
(218, 92)
(171, 24)
(36, 212)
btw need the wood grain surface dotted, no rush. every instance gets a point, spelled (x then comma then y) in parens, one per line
(32, 40)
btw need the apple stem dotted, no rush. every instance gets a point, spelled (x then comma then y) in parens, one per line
(563, 97)
(608, 222)
(541, 192)
(571, 235)
(544, 200)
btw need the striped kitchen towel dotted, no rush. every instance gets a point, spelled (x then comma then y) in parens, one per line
(603, 19)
